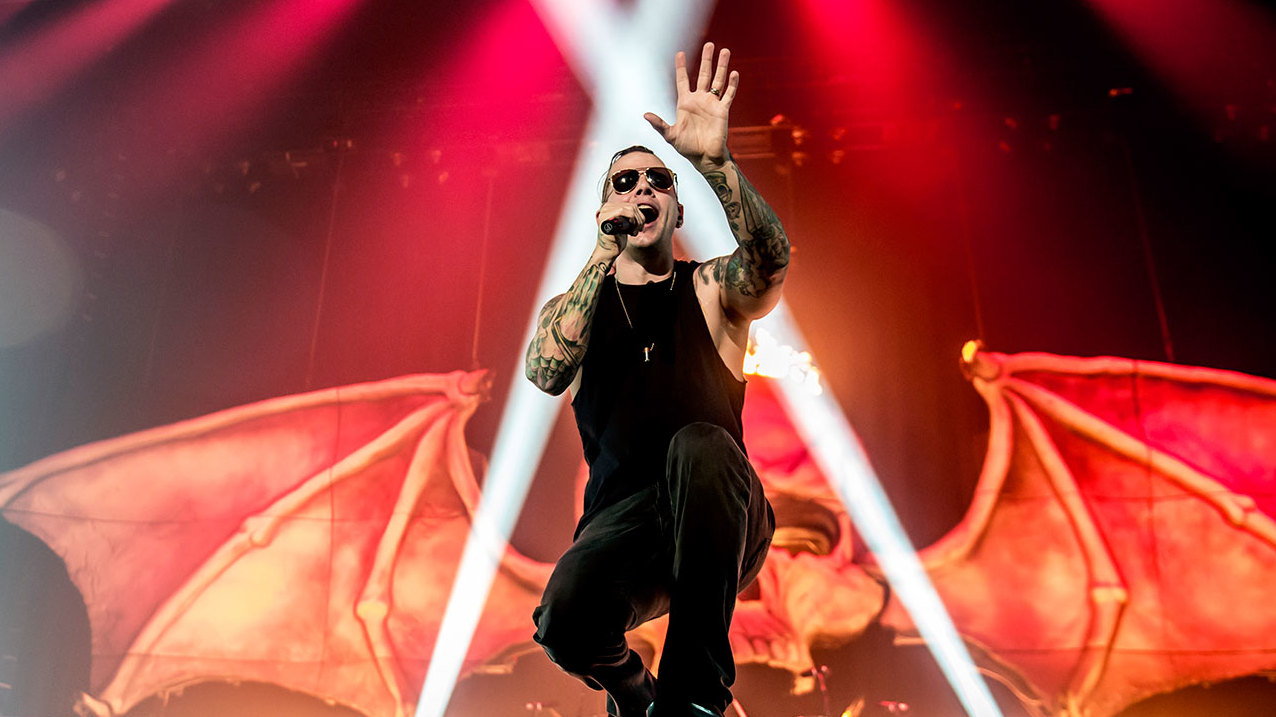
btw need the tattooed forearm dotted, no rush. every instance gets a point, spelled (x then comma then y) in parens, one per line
(759, 264)
(562, 331)
(726, 195)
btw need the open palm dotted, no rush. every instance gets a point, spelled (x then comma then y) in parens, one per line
(699, 131)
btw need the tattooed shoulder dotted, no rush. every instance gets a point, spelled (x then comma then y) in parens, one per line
(706, 273)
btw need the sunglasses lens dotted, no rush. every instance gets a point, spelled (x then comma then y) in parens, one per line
(659, 178)
(624, 182)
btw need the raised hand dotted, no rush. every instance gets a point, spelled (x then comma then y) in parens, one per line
(699, 130)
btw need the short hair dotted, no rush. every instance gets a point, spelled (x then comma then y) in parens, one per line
(602, 190)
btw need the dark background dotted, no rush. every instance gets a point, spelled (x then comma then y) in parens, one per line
(1020, 173)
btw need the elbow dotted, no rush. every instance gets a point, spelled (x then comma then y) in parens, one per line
(553, 388)
(782, 250)
(553, 385)
(538, 380)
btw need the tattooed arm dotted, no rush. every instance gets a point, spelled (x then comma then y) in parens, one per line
(562, 328)
(563, 325)
(750, 278)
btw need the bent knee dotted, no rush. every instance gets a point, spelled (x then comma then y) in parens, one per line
(701, 439)
(570, 642)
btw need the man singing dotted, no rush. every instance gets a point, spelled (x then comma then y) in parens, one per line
(652, 352)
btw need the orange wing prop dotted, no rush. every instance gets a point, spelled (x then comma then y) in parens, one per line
(1120, 542)
(308, 541)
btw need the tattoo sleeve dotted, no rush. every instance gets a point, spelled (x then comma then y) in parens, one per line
(752, 274)
(562, 331)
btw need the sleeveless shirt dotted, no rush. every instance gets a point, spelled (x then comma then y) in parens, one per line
(630, 403)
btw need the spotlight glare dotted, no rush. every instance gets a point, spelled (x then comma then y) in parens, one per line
(35, 69)
(640, 51)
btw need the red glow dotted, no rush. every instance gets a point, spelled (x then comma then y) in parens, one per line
(1204, 49)
(219, 83)
(879, 59)
(9, 9)
(499, 94)
(508, 54)
(868, 45)
(34, 70)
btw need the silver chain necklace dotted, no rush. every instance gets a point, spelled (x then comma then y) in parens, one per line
(646, 350)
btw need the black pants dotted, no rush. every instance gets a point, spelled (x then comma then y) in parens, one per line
(685, 546)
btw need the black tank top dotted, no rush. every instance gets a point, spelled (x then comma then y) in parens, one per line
(631, 402)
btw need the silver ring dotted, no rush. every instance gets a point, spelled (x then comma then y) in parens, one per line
(716, 92)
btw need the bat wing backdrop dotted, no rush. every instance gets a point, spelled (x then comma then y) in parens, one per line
(308, 541)
(1120, 542)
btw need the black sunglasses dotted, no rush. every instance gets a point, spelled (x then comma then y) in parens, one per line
(624, 181)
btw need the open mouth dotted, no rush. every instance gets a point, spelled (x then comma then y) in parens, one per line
(649, 213)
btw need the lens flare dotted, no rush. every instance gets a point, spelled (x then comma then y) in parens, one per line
(39, 280)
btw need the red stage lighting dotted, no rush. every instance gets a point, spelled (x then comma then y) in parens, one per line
(869, 47)
(204, 90)
(1206, 51)
(35, 69)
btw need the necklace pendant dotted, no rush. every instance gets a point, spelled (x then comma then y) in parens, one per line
(646, 353)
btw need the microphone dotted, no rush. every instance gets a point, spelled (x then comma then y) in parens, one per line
(625, 225)
(618, 225)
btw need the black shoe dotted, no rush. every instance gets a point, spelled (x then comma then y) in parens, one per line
(637, 697)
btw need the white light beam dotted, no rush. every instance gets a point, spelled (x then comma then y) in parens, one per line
(827, 434)
(636, 54)
(639, 52)
(824, 429)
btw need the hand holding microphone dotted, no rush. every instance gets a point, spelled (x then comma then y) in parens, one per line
(616, 222)
(620, 224)
(623, 218)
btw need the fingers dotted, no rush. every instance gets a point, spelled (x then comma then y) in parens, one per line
(724, 81)
(657, 123)
(729, 93)
(706, 64)
(680, 73)
(720, 77)
(613, 209)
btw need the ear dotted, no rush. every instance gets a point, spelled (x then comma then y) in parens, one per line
(679, 224)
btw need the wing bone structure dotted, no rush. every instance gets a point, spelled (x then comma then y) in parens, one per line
(1120, 542)
(306, 541)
